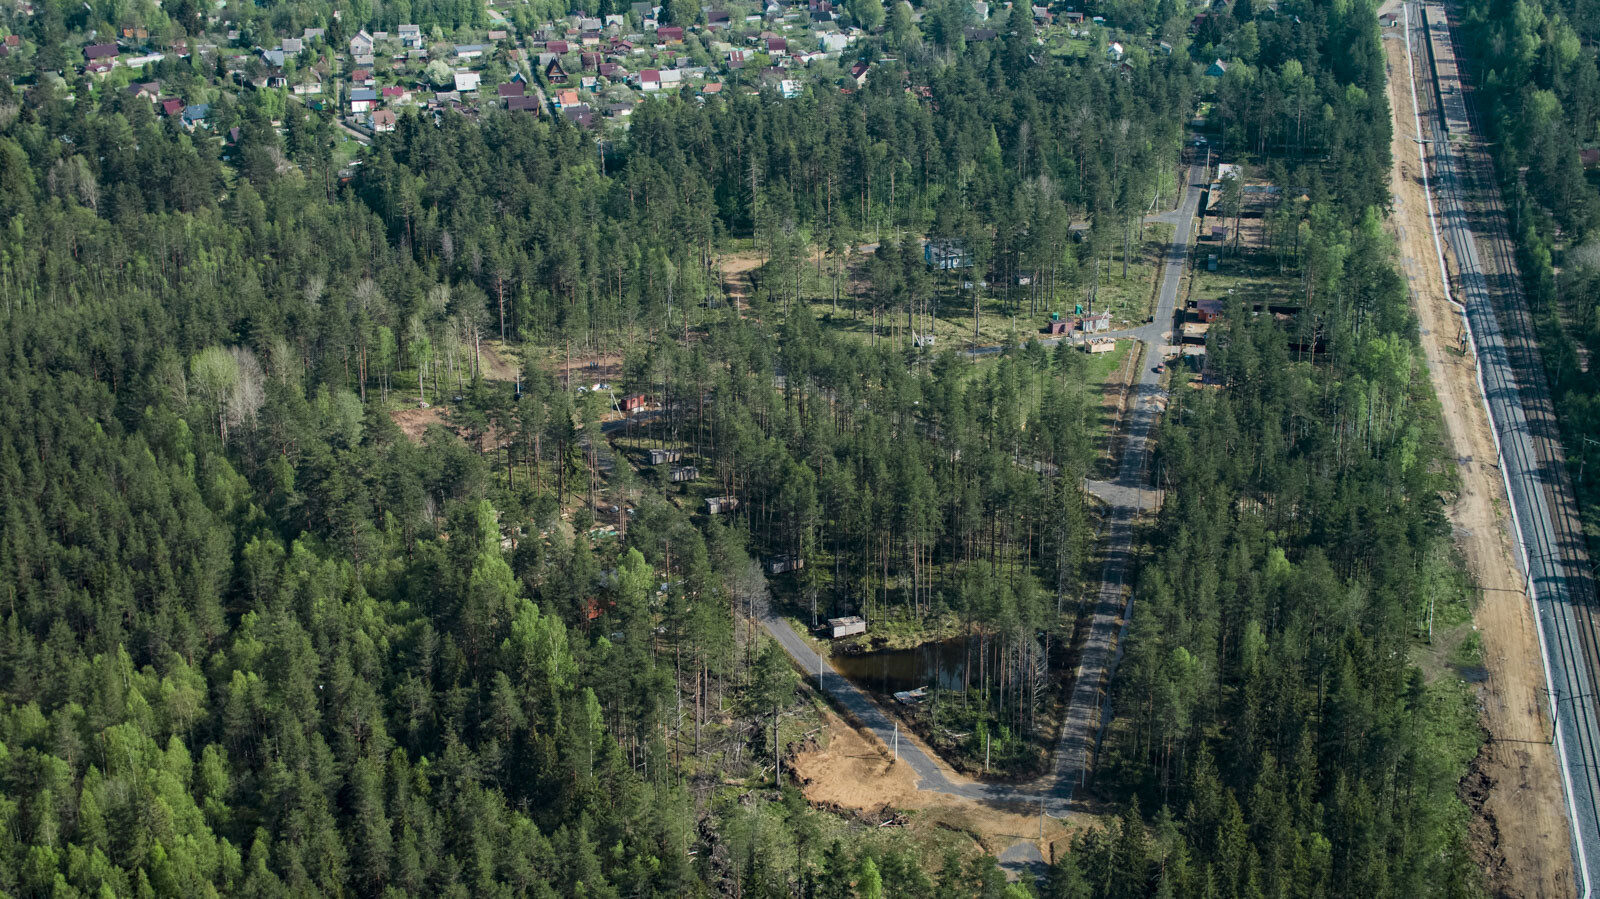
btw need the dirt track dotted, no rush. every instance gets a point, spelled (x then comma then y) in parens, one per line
(1519, 829)
(854, 773)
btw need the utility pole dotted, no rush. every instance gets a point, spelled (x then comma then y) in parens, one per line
(897, 742)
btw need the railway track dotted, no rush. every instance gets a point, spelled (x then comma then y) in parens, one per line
(1511, 375)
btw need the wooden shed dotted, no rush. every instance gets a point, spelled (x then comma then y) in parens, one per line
(658, 456)
(685, 473)
(846, 627)
(716, 505)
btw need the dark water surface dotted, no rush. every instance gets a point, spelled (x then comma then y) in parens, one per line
(937, 664)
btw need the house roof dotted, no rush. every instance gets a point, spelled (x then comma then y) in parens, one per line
(526, 104)
(513, 89)
(365, 93)
(383, 117)
(651, 75)
(100, 51)
(197, 112)
(392, 90)
(172, 106)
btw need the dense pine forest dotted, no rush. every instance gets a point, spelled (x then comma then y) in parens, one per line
(257, 641)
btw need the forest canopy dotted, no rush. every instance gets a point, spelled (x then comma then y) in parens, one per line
(257, 640)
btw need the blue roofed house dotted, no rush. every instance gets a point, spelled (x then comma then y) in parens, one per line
(363, 100)
(1217, 69)
(195, 115)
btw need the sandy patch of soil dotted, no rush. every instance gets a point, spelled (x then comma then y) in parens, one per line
(853, 773)
(415, 422)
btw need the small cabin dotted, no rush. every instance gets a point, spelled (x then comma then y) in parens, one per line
(944, 255)
(659, 456)
(1093, 324)
(846, 627)
(1057, 328)
(716, 505)
(785, 564)
(685, 473)
(1103, 345)
(633, 403)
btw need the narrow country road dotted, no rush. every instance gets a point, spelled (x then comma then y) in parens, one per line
(1124, 496)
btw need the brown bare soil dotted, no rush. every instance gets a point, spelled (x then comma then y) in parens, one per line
(853, 773)
(735, 269)
(587, 370)
(499, 362)
(415, 422)
(1519, 827)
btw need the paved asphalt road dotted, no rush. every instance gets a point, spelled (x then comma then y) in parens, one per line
(1123, 496)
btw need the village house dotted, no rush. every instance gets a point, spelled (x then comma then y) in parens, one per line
(361, 45)
(511, 89)
(100, 52)
(523, 104)
(394, 93)
(362, 78)
(383, 121)
(195, 115)
(946, 254)
(470, 51)
(1095, 323)
(467, 80)
(363, 99)
(411, 36)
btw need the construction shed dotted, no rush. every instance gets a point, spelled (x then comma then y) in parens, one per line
(716, 505)
(784, 564)
(685, 473)
(658, 456)
(633, 402)
(846, 627)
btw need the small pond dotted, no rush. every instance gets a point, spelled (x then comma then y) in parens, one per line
(938, 664)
